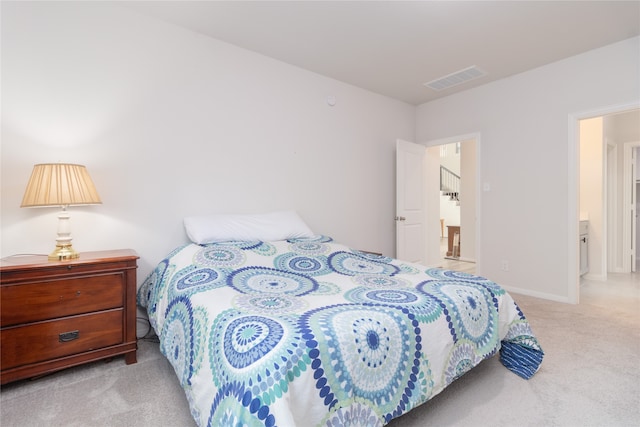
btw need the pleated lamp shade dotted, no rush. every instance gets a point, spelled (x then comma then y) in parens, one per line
(60, 184)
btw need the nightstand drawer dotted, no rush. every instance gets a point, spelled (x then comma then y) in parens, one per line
(37, 342)
(49, 299)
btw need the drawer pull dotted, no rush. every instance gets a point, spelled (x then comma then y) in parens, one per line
(68, 336)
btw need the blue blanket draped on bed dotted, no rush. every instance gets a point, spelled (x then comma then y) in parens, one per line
(308, 332)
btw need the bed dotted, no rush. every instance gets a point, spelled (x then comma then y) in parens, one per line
(305, 331)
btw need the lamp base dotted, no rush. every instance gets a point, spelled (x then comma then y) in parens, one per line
(63, 252)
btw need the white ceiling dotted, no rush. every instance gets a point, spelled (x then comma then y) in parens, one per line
(394, 47)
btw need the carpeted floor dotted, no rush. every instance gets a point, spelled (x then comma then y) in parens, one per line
(590, 377)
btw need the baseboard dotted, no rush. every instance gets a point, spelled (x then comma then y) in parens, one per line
(460, 259)
(541, 295)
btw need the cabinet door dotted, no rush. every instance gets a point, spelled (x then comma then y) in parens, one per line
(584, 254)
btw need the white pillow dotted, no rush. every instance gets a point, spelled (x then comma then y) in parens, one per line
(267, 227)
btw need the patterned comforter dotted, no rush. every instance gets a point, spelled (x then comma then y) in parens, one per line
(309, 332)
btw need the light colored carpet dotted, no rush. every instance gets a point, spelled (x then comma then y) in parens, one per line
(590, 377)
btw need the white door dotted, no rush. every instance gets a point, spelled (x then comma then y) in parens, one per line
(417, 216)
(410, 203)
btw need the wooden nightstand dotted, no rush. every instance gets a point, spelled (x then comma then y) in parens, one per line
(58, 314)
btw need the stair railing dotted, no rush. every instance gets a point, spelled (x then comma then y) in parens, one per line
(449, 183)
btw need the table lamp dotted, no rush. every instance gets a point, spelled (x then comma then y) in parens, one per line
(60, 184)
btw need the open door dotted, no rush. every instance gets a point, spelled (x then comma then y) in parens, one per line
(417, 217)
(410, 203)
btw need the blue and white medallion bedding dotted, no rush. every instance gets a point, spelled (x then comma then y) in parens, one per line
(307, 332)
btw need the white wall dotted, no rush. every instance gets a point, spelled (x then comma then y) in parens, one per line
(450, 157)
(170, 123)
(524, 125)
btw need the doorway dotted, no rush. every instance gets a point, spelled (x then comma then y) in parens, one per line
(418, 226)
(608, 189)
(457, 203)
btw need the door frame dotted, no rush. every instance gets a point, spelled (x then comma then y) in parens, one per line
(477, 136)
(629, 186)
(611, 201)
(573, 207)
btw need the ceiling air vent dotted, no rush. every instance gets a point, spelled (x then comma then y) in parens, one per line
(456, 78)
